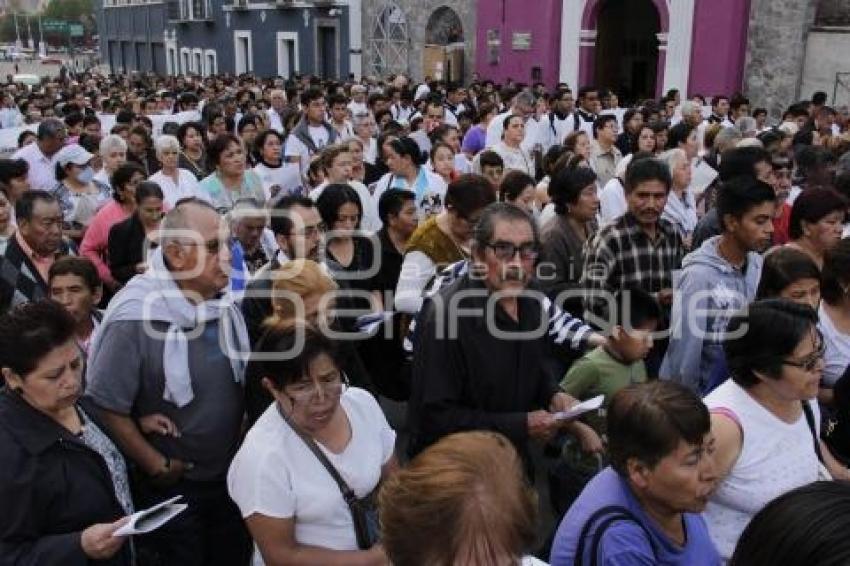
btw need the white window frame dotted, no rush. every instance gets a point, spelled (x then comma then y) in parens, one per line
(210, 62)
(249, 64)
(185, 60)
(280, 43)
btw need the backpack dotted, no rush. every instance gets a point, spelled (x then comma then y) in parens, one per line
(604, 518)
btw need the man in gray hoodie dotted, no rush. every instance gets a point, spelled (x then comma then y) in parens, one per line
(718, 278)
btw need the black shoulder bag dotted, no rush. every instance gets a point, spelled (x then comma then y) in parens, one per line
(364, 512)
(604, 518)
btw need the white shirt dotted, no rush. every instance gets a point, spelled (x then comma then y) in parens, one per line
(793, 194)
(357, 108)
(344, 130)
(275, 123)
(775, 458)
(187, 186)
(515, 158)
(370, 222)
(276, 475)
(681, 212)
(42, 173)
(287, 178)
(103, 177)
(612, 201)
(837, 355)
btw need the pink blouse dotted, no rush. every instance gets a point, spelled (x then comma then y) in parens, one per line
(95, 242)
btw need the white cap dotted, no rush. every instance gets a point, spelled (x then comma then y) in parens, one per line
(73, 153)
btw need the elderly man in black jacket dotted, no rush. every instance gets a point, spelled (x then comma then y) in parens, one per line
(481, 361)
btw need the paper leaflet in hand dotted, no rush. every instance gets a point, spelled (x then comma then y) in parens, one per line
(152, 518)
(580, 409)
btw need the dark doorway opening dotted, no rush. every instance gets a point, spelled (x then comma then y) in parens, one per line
(627, 48)
(327, 52)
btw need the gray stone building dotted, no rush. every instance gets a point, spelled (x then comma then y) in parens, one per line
(797, 47)
(204, 37)
(398, 35)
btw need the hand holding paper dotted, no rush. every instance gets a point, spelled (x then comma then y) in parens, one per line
(153, 518)
(580, 409)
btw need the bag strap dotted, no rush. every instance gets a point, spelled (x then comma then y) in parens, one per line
(810, 419)
(347, 493)
(612, 514)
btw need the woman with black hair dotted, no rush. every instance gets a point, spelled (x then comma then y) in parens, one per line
(193, 149)
(130, 240)
(231, 180)
(95, 244)
(561, 263)
(341, 212)
(13, 178)
(443, 239)
(765, 419)
(63, 483)
(683, 136)
(789, 274)
(834, 315)
(817, 221)
(282, 476)
(278, 177)
(804, 527)
(405, 162)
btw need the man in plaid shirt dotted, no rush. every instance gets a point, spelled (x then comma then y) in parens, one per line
(640, 249)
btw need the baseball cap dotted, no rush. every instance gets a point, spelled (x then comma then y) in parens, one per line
(73, 153)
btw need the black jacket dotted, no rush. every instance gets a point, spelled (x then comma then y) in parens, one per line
(52, 487)
(467, 378)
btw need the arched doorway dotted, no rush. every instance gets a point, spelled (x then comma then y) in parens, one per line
(626, 56)
(444, 27)
(390, 41)
(443, 53)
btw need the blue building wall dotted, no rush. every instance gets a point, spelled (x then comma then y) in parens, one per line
(263, 26)
(131, 37)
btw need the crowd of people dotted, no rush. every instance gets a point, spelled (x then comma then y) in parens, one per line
(352, 322)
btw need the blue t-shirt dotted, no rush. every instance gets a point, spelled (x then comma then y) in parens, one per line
(625, 543)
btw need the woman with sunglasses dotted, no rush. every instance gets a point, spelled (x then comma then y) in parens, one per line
(765, 419)
(288, 497)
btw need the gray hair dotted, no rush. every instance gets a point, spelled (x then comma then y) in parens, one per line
(746, 124)
(727, 137)
(246, 208)
(482, 234)
(524, 98)
(689, 106)
(166, 142)
(361, 119)
(672, 156)
(111, 143)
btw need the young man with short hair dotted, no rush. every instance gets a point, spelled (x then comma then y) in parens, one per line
(73, 282)
(312, 133)
(718, 278)
(339, 116)
(492, 166)
(645, 508)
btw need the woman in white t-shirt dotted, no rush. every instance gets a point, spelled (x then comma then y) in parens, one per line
(277, 176)
(176, 183)
(765, 419)
(289, 500)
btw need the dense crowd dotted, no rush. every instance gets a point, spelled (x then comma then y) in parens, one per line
(380, 322)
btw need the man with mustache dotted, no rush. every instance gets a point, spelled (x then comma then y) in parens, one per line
(484, 353)
(638, 251)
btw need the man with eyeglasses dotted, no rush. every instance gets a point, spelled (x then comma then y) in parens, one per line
(26, 257)
(166, 371)
(297, 229)
(485, 356)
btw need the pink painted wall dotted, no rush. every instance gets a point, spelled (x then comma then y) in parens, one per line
(719, 46)
(540, 17)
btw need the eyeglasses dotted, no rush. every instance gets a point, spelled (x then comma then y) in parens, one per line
(310, 231)
(307, 391)
(810, 362)
(213, 247)
(506, 251)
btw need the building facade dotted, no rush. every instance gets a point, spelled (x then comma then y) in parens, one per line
(638, 47)
(205, 37)
(423, 38)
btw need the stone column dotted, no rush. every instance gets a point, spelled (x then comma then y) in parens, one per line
(776, 48)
